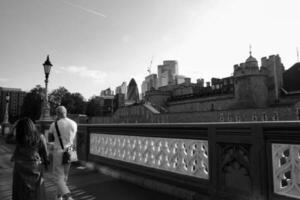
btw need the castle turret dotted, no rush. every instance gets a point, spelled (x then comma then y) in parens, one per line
(250, 84)
(251, 62)
(275, 70)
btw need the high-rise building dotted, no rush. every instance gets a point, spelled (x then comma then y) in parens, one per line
(15, 102)
(122, 89)
(132, 92)
(149, 82)
(167, 72)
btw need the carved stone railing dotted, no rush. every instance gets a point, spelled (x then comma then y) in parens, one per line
(239, 161)
(286, 169)
(183, 156)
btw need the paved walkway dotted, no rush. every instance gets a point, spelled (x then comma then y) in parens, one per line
(83, 183)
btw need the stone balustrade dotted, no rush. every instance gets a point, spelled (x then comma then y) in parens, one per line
(247, 161)
(183, 156)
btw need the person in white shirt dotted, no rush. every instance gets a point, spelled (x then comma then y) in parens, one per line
(67, 129)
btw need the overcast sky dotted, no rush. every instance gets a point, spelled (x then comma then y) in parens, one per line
(96, 44)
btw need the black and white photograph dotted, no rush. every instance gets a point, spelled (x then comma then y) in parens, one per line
(149, 100)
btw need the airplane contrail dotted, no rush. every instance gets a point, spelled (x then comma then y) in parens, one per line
(85, 9)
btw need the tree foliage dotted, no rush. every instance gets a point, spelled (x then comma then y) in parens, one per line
(32, 103)
(74, 102)
(93, 107)
(77, 103)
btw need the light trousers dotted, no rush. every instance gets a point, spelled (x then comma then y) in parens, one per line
(60, 172)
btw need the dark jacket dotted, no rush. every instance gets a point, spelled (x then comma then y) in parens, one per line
(28, 180)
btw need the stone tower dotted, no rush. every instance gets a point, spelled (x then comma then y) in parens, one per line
(275, 71)
(250, 84)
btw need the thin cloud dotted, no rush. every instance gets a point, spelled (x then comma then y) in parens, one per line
(4, 80)
(84, 72)
(126, 38)
(94, 12)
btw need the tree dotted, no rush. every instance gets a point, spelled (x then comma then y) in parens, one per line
(78, 104)
(32, 103)
(93, 107)
(74, 102)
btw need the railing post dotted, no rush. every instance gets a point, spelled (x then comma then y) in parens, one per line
(258, 164)
(82, 143)
(213, 160)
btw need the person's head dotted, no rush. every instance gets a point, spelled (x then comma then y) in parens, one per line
(61, 112)
(26, 133)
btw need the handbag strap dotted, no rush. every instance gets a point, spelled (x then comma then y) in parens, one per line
(59, 137)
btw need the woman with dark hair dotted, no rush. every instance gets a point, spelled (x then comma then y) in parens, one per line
(29, 156)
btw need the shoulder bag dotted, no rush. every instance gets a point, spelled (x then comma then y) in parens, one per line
(70, 154)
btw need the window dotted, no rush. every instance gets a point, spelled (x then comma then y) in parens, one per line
(237, 118)
(254, 117)
(230, 117)
(275, 116)
(298, 113)
(221, 117)
(264, 117)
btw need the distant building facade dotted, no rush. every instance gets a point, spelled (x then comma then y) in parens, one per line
(15, 102)
(107, 92)
(149, 83)
(106, 102)
(122, 89)
(167, 72)
(252, 93)
(132, 92)
(179, 79)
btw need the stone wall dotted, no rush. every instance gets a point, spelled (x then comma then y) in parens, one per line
(251, 91)
(202, 104)
(140, 114)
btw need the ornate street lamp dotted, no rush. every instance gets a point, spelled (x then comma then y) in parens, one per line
(5, 123)
(6, 117)
(45, 115)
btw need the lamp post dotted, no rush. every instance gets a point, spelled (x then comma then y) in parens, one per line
(5, 120)
(45, 114)
(5, 123)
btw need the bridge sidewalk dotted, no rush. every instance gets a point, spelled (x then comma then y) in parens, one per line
(84, 184)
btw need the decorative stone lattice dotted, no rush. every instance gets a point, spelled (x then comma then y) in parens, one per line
(183, 156)
(286, 169)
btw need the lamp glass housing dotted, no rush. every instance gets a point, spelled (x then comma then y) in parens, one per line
(47, 69)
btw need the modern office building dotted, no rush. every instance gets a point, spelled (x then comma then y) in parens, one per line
(132, 93)
(149, 83)
(122, 89)
(167, 73)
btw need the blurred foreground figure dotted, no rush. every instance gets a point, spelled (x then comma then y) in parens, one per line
(30, 157)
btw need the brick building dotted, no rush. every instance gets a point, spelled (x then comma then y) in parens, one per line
(15, 102)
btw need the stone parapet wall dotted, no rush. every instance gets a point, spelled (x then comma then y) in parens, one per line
(245, 161)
